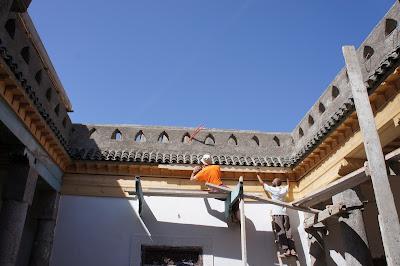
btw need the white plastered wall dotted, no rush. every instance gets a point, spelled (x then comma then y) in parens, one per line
(108, 231)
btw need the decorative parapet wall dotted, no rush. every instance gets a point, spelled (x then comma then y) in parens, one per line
(378, 55)
(31, 81)
(173, 145)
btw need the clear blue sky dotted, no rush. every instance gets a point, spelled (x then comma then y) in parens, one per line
(243, 64)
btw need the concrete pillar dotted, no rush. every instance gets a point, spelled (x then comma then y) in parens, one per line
(348, 242)
(43, 242)
(18, 195)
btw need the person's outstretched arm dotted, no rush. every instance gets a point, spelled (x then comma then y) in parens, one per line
(260, 180)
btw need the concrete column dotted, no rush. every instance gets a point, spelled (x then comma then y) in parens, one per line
(18, 194)
(43, 243)
(348, 242)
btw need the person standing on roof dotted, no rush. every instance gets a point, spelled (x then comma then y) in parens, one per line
(209, 173)
(280, 219)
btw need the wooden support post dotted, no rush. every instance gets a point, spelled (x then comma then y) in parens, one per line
(388, 218)
(242, 224)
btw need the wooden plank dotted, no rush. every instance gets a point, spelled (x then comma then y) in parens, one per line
(330, 211)
(388, 218)
(349, 181)
(163, 192)
(265, 200)
(393, 156)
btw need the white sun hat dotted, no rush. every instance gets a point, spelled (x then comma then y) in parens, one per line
(206, 159)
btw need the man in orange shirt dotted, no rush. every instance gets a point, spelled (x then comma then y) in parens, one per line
(209, 173)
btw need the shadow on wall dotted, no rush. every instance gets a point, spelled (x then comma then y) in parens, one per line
(108, 231)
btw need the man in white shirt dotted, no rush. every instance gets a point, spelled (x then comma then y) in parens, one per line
(280, 219)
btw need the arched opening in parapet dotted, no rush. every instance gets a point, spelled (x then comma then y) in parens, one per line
(117, 135)
(10, 27)
(232, 140)
(25, 53)
(256, 141)
(335, 92)
(163, 138)
(321, 108)
(301, 132)
(277, 141)
(209, 140)
(368, 52)
(140, 137)
(186, 138)
(390, 26)
(48, 94)
(57, 109)
(64, 122)
(91, 132)
(38, 77)
(310, 120)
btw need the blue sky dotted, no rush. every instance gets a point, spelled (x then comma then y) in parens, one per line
(242, 64)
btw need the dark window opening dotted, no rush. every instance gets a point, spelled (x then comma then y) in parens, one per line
(209, 140)
(335, 92)
(140, 137)
(164, 255)
(163, 138)
(10, 27)
(256, 140)
(117, 135)
(186, 138)
(301, 132)
(64, 122)
(277, 141)
(91, 131)
(232, 140)
(57, 109)
(25, 53)
(368, 52)
(390, 26)
(48, 94)
(38, 77)
(310, 120)
(321, 108)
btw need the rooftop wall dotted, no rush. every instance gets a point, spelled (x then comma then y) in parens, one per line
(375, 54)
(22, 51)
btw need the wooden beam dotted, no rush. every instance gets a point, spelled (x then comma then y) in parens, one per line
(388, 218)
(349, 181)
(164, 192)
(265, 200)
(330, 211)
(393, 156)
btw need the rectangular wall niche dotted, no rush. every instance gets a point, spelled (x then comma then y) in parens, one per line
(165, 255)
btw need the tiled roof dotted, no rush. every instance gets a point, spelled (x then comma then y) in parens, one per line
(176, 158)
